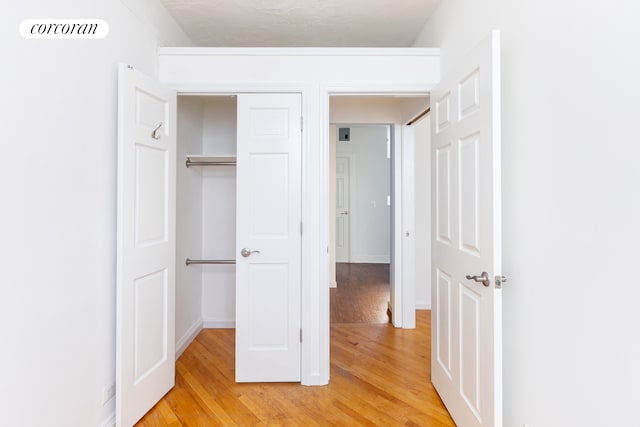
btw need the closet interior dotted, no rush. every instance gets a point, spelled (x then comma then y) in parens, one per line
(206, 210)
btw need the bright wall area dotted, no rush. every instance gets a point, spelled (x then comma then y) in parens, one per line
(58, 216)
(570, 202)
(190, 112)
(219, 213)
(422, 203)
(370, 185)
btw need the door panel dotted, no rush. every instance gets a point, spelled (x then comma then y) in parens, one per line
(466, 322)
(145, 354)
(343, 224)
(269, 174)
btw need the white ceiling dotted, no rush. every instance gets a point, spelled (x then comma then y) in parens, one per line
(301, 23)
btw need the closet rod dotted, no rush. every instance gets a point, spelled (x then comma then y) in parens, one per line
(197, 163)
(210, 261)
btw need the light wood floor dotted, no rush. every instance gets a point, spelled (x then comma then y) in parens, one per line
(379, 377)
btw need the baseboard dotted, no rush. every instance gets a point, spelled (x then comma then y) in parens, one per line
(423, 305)
(218, 324)
(370, 259)
(188, 337)
(333, 284)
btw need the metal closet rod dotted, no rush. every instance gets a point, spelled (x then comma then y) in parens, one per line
(197, 163)
(210, 261)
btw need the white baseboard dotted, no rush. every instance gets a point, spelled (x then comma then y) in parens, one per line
(333, 284)
(423, 305)
(218, 324)
(371, 259)
(188, 338)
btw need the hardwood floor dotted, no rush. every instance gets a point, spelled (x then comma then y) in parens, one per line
(362, 293)
(380, 376)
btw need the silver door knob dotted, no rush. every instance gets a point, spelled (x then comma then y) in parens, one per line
(483, 278)
(245, 252)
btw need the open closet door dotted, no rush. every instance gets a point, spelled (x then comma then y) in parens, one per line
(466, 337)
(145, 355)
(268, 238)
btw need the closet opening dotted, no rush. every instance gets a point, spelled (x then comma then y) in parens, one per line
(206, 211)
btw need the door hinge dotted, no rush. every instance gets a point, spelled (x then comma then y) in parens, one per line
(301, 228)
(301, 123)
(300, 334)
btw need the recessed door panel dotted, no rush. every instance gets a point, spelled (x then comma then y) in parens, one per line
(151, 195)
(443, 333)
(468, 169)
(269, 195)
(150, 322)
(269, 321)
(470, 381)
(443, 194)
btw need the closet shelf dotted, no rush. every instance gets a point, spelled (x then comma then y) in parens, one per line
(205, 160)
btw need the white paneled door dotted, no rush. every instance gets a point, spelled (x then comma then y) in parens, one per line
(145, 355)
(466, 238)
(343, 228)
(268, 238)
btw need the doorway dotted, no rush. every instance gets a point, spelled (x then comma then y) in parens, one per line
(362, 197)
(387, 113)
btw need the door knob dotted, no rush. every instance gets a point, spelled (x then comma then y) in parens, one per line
(245, 252)
(483, 278)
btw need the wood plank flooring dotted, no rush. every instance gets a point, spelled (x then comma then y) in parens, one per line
(380, 376)
(362, 293)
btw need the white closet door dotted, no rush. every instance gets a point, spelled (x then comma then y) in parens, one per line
(268, 233)
(466, 334)
(145, 343)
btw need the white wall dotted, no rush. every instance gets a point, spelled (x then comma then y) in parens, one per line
(422, 198)
(370, 185)
(570, 202)
(219, 214)
(188, 221)
(57, 222)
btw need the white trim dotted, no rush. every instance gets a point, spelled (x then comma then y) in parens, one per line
(370, 259)
(298, 51)
(423, 305)
(408, 285)
(333, 284)
(111, 421)
(234, 88)
(212, 323)
(188, 337)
